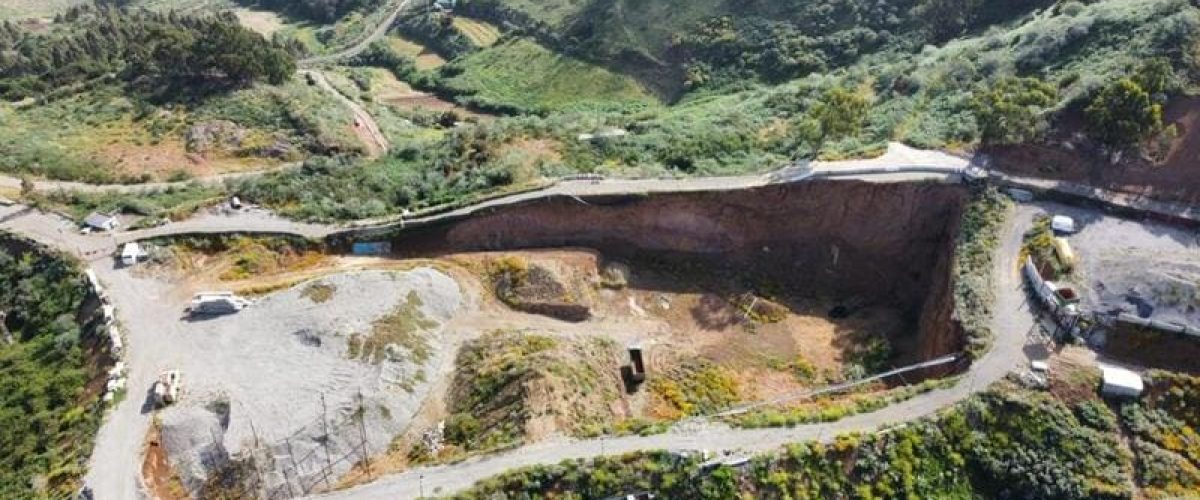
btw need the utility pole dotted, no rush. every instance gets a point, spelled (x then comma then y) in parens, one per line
(362, 429)
(325, 440)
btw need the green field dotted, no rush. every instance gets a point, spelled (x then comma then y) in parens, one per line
(480, 33)
(522, 74)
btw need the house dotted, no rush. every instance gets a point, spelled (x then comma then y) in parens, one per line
(1121, 382)
(132, 253)
(101, 222)
(445, 5)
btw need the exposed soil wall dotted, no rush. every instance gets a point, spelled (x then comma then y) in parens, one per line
(858, 242)
(1171, 177)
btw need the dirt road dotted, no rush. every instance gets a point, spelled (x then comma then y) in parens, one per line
(355, 49)
(364, 124)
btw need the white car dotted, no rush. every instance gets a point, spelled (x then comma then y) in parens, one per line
(1063, 224)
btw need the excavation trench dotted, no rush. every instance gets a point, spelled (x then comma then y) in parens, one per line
(858, 244)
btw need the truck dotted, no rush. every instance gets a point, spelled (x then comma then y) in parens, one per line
(167, 387)
(216, 303)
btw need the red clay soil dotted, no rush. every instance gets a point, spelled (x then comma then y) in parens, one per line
(157, 472)
(1175, 178)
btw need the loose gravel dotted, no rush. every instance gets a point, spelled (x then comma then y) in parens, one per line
(1144, 268)
(275, 361)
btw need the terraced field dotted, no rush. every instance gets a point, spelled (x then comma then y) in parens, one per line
(480, 33)
(526, 75)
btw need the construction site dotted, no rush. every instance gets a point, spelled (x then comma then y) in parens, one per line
(306, 367)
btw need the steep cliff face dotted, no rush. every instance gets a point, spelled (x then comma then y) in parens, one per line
(874, 243)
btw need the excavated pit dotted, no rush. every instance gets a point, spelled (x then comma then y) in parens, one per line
(856, 243)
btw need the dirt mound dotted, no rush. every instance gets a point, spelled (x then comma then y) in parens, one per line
(194, 438)
(535, 289)
(511, 386)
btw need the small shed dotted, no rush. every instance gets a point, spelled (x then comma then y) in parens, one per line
(101, 222)
(1121, 382)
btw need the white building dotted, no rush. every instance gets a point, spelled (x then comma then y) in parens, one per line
(101, 222)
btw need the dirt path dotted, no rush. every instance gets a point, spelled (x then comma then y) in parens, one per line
(364, 125)
(354, 50)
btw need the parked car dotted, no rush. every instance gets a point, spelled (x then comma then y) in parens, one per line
(216, 303)
(1063, 224)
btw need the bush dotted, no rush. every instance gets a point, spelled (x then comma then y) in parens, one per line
(1123, 114)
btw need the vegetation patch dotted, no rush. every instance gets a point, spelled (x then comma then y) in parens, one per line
(1166, 432)
(319, 293)
(832, 409)
(1001, 444)
(50, 367)
(508, 385)
(974, 257)
(696, 387)
(405, 328)
(522, 75)
(238, 258)
(155, 206)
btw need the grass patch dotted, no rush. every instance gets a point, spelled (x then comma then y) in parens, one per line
(478, 32)
(523, 75)
(319, 293)
(404, 328)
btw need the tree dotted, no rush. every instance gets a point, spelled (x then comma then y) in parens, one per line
(1123, 114)
(1011, 110)
(841, 112)
(946, 19)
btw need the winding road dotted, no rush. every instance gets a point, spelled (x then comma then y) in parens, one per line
(114, 470)
(379, 32)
